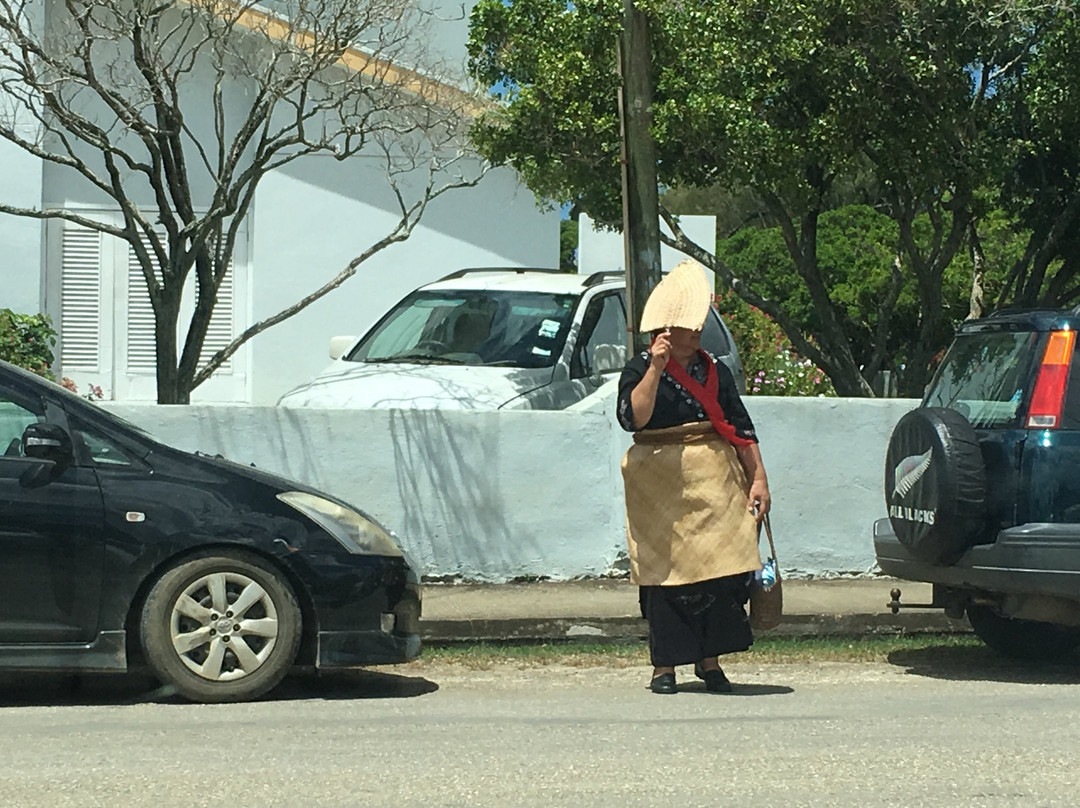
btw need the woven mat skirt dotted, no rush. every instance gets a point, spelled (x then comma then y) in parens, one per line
(686, 517)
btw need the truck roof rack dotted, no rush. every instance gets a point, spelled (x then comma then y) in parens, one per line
(600, 277)
(461, 273)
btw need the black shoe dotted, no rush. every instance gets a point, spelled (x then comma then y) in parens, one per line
(715, 681)
(664, 683)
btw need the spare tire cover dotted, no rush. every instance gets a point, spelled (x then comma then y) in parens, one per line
(935, 484)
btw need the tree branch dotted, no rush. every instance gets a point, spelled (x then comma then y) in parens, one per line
(411, 216)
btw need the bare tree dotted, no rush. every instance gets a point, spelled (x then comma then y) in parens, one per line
(176, 109)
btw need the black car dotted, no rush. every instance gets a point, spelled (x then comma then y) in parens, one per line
(982, 484)
(117, 550)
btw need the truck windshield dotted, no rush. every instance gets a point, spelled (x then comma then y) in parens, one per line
(472, 327)
(983, 376)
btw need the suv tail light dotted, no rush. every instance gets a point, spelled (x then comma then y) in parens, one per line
(1049, 395)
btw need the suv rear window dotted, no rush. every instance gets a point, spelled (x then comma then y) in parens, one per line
(983, 376)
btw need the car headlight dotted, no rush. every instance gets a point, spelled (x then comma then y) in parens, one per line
(354, 532)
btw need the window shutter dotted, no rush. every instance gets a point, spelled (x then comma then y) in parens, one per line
(141, 353)
(80, 299)
(219, 333)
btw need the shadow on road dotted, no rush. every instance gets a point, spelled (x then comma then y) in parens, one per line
(738, 689)
(67, 689)
(980, 664)
(353, 684)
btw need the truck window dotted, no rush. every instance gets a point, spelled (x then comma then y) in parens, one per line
(603, 348)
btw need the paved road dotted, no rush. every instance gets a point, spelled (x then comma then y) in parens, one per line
(913, 732)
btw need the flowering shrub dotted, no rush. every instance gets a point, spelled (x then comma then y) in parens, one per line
(95, 393)
(773, 368)
(27, 340)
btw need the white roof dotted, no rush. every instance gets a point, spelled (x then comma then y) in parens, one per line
(523, 280)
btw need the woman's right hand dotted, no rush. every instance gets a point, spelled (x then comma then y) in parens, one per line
(660, 350)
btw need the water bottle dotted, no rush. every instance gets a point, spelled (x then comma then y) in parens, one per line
(766, 576)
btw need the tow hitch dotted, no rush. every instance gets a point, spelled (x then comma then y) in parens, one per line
(948, 599)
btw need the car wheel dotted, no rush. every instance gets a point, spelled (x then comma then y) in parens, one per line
(1022, 639)
(221, 628)
(935, 484)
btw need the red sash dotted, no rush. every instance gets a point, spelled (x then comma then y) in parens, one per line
(706, 397)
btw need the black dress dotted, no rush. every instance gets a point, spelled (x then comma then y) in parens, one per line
(705, 619)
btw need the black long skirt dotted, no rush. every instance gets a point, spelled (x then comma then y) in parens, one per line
(695, 621)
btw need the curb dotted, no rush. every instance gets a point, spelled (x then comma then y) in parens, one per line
(628, 629)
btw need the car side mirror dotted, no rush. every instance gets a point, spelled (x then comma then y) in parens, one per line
(339, 345)
(43, 441)
(39, 473)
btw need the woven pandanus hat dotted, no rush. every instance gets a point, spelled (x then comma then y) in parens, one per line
(680, 300)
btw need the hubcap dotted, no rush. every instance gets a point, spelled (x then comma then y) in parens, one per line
(219, 647)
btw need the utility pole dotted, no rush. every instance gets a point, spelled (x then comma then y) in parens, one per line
(641, 204)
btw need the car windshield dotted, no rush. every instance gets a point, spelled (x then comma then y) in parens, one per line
(983, 377)
(472, 327)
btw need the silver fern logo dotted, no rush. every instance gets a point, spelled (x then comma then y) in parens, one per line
(910, 471)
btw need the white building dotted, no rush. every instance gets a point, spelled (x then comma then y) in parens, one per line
(308, 221)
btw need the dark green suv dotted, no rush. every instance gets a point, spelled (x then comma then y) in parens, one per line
(982, 484)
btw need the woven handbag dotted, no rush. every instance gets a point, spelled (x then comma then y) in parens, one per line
(767, 603)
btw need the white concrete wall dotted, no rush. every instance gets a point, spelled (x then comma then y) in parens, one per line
(498, 495)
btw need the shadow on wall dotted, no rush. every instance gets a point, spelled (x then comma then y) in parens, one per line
(448, 478)
(299, 465)
(470, 494)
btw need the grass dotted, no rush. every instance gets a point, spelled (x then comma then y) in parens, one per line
(767, 650)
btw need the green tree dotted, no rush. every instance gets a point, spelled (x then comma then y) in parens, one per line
(1038, 118)
(857, 264)
(783, 100)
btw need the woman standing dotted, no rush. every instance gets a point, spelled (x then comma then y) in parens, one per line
(695, 485)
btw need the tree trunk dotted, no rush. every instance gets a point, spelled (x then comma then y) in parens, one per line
(929, 268)
(978, 274)
(166, 316)
(839, 362)
(205, 301)
(918, 371)
(874, 364)
(1059, 294)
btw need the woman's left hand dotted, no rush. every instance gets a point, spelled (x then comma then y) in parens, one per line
(759, 502)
